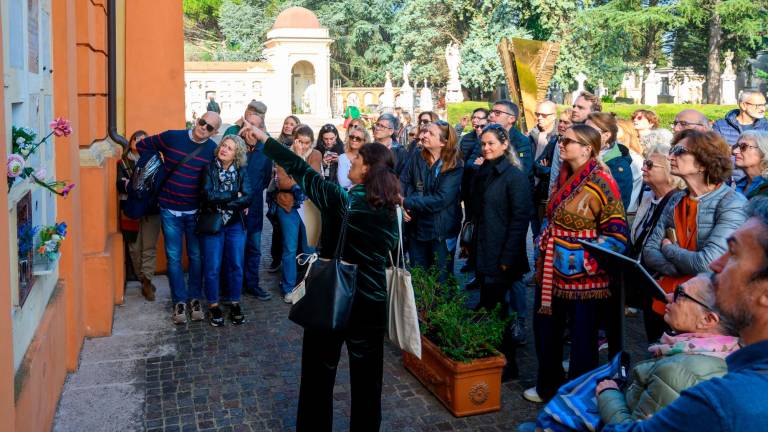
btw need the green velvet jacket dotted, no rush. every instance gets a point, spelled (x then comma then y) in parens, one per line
(371, 233)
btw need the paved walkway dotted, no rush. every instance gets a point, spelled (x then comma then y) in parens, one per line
(152, 375)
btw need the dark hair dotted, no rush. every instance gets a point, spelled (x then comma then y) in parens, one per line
(303, 130)
(382, 187)
(482, 110)
(283, 138)
(588, 137)
(133, 139)
(649, 115)
(606, 122)
(338, 146)
(710, 151)
(501, 134)
(597, 106)
(511, 106)
(432, 116)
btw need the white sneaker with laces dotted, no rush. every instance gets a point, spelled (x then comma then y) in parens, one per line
(532, 395)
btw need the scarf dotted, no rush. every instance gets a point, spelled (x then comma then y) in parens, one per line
(719, 346)
(227, 183)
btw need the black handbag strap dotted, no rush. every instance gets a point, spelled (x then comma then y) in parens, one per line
(186, 158)
(343, 233)
(635, 251)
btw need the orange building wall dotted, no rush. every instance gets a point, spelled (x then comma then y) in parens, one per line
(7, 413)
(91, 266)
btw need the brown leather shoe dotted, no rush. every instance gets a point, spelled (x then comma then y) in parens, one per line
(147, 289)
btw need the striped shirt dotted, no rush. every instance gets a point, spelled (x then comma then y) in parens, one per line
(181, 192)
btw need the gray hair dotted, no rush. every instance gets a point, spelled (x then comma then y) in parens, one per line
(663, 150)
(241, 151)
(656, 138)
(760, 139)
(392, 120)
(706, 294)
(746, 93)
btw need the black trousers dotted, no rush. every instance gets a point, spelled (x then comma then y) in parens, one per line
(582, 318)
(492, 294)
(276, 250)
(319, 360)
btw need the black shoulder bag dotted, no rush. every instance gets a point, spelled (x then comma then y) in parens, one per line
(330, 290)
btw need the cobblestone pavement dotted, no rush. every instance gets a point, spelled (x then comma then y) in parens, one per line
(152, 375)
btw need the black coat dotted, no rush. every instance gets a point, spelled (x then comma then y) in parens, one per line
(433, 202)
(213, 199)
(502, 210)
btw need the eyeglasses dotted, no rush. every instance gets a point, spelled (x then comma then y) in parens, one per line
(499, 112)
(545, 115)
(742, 146)
(762, 105)
(381, 126)
(565, 141)
(648, 164)
(208, 126)
(678, 150)
(680, 292)
(684, 124)
(356, 138)
(424, 121)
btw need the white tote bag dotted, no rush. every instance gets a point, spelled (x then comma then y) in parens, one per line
(403, 317)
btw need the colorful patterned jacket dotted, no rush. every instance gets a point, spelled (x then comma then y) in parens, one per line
(585, 206)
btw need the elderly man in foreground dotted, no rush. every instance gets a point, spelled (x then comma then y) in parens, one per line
(739, 400)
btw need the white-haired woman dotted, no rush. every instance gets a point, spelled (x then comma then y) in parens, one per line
(226, 193)
(356, 137)
(751, 156)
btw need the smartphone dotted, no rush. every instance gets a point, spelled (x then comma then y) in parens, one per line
(672, 235)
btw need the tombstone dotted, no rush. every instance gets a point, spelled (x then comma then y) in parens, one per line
(387, 101)
(453, 59)
(728, 82)
(601, 90)
(651, 91)
(425, 98)
(580, 78)
(406, 91)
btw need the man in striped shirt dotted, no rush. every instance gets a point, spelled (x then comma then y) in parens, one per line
(179, 200)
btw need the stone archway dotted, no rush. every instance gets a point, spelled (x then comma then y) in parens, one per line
(303, 88)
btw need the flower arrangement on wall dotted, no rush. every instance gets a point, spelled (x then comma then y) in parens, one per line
(51, 237)
(25, 144)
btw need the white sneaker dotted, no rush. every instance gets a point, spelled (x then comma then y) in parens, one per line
(287, 298)
(566, 365)
(532, 395)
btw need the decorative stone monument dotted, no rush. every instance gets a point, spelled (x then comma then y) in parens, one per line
(580, 78)
(453, 59)
(601, 90)
(728, 82)
(425, 98)
(406, 91)
(651, 90)
(387, 102)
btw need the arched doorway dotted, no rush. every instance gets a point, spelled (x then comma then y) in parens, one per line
(302, 88)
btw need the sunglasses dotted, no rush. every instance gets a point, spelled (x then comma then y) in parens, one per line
(424, 121)
(648, 164)
(208, 127)
(680, 292)
(565, 141)
(356, 138)
(743, 146)
(678, 150)
(685, 124)
(545, 115)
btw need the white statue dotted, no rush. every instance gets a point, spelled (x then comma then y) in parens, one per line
(406, 74)
(729, 64)
(453, 59)
(425, 98)
(387, 101)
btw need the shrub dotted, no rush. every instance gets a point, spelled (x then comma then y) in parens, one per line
(462, 334)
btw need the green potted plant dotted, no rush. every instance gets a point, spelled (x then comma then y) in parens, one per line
(459, 364)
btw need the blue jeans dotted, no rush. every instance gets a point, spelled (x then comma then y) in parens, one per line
(253, 261)
(224, 251)
(518, 300)
(294, 234)
(176, 229)
(426, 254)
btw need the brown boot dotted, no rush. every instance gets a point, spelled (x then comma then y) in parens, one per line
(147, 289)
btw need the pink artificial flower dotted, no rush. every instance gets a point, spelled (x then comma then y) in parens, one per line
(15, 165)
(61, 127)
(41, 173)
(67, 189)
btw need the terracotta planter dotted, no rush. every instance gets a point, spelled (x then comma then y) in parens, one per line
(464, 388)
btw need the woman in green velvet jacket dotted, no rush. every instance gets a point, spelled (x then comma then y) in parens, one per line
(371, 235)
(694, 354)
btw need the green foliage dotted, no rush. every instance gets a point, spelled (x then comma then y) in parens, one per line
(461, 333)
(457, 110)
(202, 12)
(667, 112)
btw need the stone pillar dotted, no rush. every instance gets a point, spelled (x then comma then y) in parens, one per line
(651, 91)
(728, 82)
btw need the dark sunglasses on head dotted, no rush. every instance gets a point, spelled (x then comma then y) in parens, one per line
(208, 127)
(648, 164)
(680, 292)
(442, 123)
(678, 150)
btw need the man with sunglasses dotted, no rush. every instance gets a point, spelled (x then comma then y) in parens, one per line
(179, 200)
(750, 115)
(739, 400)
(543, 138)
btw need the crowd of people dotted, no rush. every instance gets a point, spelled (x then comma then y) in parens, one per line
(676, 200)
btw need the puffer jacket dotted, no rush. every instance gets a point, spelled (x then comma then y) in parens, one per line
(718, 215)
(621, 170)
(212, 198)
(729, 128)
(655, 384)
(433, 200)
